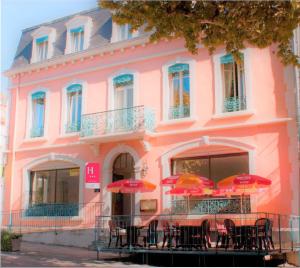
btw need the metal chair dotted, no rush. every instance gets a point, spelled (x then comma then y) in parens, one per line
(152, 234)
(264, 233)
(231, 233)
(114, 233)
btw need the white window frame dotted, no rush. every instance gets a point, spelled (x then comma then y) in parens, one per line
(166, 90)
(64, 104)
(219, 91)
(79, 21)
(29, 114)
(41, 32)
(115, 36)
(111, 89)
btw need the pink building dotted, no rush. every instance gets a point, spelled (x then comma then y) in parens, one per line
(87, 90)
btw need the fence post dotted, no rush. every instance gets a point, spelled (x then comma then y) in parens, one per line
(291, 232)
(279, 234)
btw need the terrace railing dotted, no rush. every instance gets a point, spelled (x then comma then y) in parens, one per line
(47, 217)
(187, 232)
(232, 104)
(133, 119)
(212, 206)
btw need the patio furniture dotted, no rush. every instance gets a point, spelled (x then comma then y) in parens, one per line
(231, 233)
(190, 237)
(116, 233)
(264, 233)
(221, 234)
(151, 237)
(132, 234)
(205, 225)
(167, 234)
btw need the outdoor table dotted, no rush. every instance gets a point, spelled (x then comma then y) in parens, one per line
(246, 236)
(190, 236)
(132, 234)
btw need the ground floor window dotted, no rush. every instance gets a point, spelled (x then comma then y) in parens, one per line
(54, 192)
(214, 167)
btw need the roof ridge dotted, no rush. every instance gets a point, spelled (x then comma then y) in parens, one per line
(60, 19)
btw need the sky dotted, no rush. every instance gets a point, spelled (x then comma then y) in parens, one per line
(17, 15)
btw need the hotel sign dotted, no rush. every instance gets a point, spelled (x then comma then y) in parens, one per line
(92, 175)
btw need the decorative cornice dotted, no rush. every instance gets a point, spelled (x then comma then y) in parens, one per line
(110, 48)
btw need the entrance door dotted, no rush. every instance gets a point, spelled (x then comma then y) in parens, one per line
(123, 168)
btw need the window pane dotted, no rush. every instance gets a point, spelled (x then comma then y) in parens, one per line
(38, 117)
(199, 166)
(67, 186)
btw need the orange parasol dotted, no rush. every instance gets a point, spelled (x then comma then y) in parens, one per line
(191, 181)
(190, 192)
(245, 182)
(131, 186)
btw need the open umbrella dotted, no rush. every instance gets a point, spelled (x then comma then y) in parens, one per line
(187, 181)
(244, 183)
(130, 186)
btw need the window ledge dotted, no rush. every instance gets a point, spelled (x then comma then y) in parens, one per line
(69, 135)
(37, 139)
(186, 120)
(233, 114)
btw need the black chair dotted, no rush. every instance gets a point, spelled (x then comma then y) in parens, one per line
(205, 226)
(264, 233)
(152, 234)
(116, 233)
(231, 233)
(167, 234)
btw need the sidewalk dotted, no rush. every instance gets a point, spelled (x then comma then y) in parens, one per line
(39, 255)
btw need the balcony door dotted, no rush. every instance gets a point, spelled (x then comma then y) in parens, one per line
(123, 103)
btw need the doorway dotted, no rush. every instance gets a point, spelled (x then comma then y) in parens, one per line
(123, 168)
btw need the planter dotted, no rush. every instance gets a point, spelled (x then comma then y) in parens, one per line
(16, 244)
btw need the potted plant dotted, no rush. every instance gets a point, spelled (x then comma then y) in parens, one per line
(10, 241)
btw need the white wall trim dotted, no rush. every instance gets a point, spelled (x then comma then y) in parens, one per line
(165, 159)
(107, 168)
(29, 113)
(219, 84)
(166, 88)
(63, 114)
(111, 90)
(46, 158)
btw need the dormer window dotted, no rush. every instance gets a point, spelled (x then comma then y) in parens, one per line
(42, 48)
(77, 39)
(42, 44)
(122, 32)
(78, 34)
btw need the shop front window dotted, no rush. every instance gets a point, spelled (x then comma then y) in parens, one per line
(216, 168)
(54, 192)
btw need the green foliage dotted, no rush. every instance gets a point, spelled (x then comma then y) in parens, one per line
(233, 24)
(6, 238)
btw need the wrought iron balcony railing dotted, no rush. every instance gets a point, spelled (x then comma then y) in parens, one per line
(37, 132)
(177, 112)
(131, 119)
(232, 104)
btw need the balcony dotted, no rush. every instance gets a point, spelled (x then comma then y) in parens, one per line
(129, 123)
(233, 104)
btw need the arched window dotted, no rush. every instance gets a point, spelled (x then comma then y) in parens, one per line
(74, 108)
(37, 114)
(179, 90)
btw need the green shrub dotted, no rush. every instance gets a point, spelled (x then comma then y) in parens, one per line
(6, 238)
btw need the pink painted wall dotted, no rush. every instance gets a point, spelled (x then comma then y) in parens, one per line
(270, 139)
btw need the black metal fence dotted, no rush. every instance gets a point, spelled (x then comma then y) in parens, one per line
(248, 232)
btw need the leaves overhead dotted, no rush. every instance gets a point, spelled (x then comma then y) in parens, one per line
(232, 24)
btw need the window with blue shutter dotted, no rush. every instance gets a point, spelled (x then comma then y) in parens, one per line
(179, 90)
(38, 114)
(77, 39)
(233, 80)
(74, 108)
(42, 48)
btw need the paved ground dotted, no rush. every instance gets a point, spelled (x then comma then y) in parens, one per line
(39, 255)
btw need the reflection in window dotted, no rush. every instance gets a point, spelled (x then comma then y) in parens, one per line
(37, 114)
(74, 108)
(124, 32)
(54, 192)
(233, 78)
(179, 86)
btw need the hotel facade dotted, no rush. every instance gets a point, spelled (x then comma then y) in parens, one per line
(84, 89)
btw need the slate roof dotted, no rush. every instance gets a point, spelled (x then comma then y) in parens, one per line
(100, 36)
